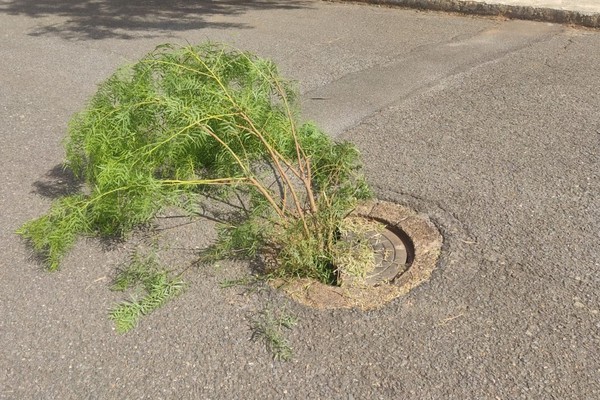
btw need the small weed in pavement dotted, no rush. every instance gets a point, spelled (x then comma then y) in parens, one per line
(269, 327)
(154, 288)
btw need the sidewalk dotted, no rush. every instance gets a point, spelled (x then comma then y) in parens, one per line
(584, 13)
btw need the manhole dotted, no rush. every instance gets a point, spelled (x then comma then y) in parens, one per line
(406, 253)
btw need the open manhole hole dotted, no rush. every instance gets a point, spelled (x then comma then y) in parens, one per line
(405, 251)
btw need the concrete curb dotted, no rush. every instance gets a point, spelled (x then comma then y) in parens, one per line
(510, 11)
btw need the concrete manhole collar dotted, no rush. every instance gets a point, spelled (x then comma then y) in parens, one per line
(406, 254)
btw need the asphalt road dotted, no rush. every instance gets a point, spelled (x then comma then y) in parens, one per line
(491, 127)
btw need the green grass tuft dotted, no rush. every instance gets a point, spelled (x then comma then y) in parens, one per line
(269, 327)
(144, 273)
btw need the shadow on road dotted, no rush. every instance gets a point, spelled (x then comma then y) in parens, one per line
(93, 20)
(58, 182)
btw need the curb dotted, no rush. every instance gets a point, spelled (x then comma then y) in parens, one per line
(504, 10)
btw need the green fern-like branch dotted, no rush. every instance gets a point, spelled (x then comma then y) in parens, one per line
(186, 118)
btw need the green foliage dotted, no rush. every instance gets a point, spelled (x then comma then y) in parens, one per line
(146, 274)
(269, 327)
(187, 121)
(55, 233)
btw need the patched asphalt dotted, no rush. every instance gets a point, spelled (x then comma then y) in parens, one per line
(491, 127)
